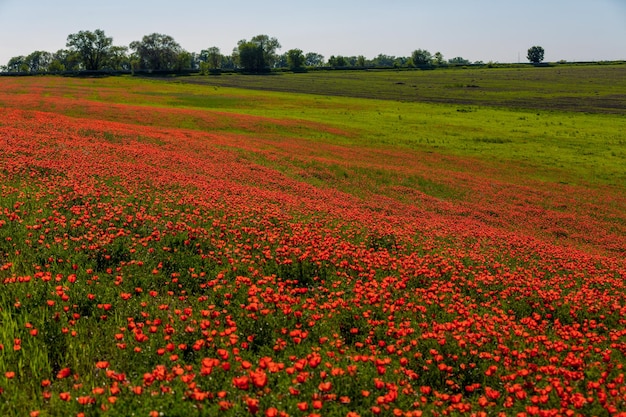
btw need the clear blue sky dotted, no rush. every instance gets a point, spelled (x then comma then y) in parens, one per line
(486, 30)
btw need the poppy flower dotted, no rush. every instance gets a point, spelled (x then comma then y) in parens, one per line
(64, 373)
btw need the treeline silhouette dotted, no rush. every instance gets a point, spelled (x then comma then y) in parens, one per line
(92, 52)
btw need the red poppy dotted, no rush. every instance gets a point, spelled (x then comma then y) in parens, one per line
(64, 373)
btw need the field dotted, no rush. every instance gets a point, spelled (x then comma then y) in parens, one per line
(592, 88)
(240, 245)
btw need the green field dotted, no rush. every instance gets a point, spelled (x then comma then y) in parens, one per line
(565, 123)
(587, 88)
(559, 124)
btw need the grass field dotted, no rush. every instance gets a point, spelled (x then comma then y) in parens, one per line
(591, 88)
(446, 242)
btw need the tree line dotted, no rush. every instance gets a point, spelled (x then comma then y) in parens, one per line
(94, 51)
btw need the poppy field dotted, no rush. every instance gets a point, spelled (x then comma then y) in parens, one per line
(187, 250)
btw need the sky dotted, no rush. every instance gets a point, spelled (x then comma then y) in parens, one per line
(477, 30)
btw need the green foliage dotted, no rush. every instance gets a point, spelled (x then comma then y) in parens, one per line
(313, 59)
(535, 54)
(438, 59)
(257, 55)
(295, 59)
(251, 57)
(158, 52)
(337, 61)
(212, 58)
(459, 61)
(92, 47)
(421, 58)
(17, 64)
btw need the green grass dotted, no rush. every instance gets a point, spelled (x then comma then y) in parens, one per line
(558, 124)
(557, 146)
(565, 123)
(593, 88)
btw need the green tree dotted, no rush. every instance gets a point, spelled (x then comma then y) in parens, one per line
(229, 61)
(184, 61)
(281, 61)
(118, 59)
(313, 59)
(17, 64)
(383, 60)
(250, 57)
(56, 66)
(337, 61)
(212, 56)
(258, 54)
(93, 48)
(157, 52)
(39, 61)
(459, 60)
(535, 54)
(295, 59)
(421, 58)
(269, 47)
(401, 61)
(65, 60)
(438, 58)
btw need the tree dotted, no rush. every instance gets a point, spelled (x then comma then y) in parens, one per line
(17, 64)
(258, 54)
(383, 60)
(118, 59)
(337, 61)
(295, 59)
(212, 56)
(535, 54)
(39, 61)
(313, 59)
(459, 60)
(269, 47)
(438, 58)
(421, 57)
(281, 61)
(401, 61)
(92, 47)
(250, 57)
(184, 61)
(157, 52)
(229, 61)
(65, 60)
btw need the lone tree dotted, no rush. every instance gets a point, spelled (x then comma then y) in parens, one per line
(92, 47)
(535, 54)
